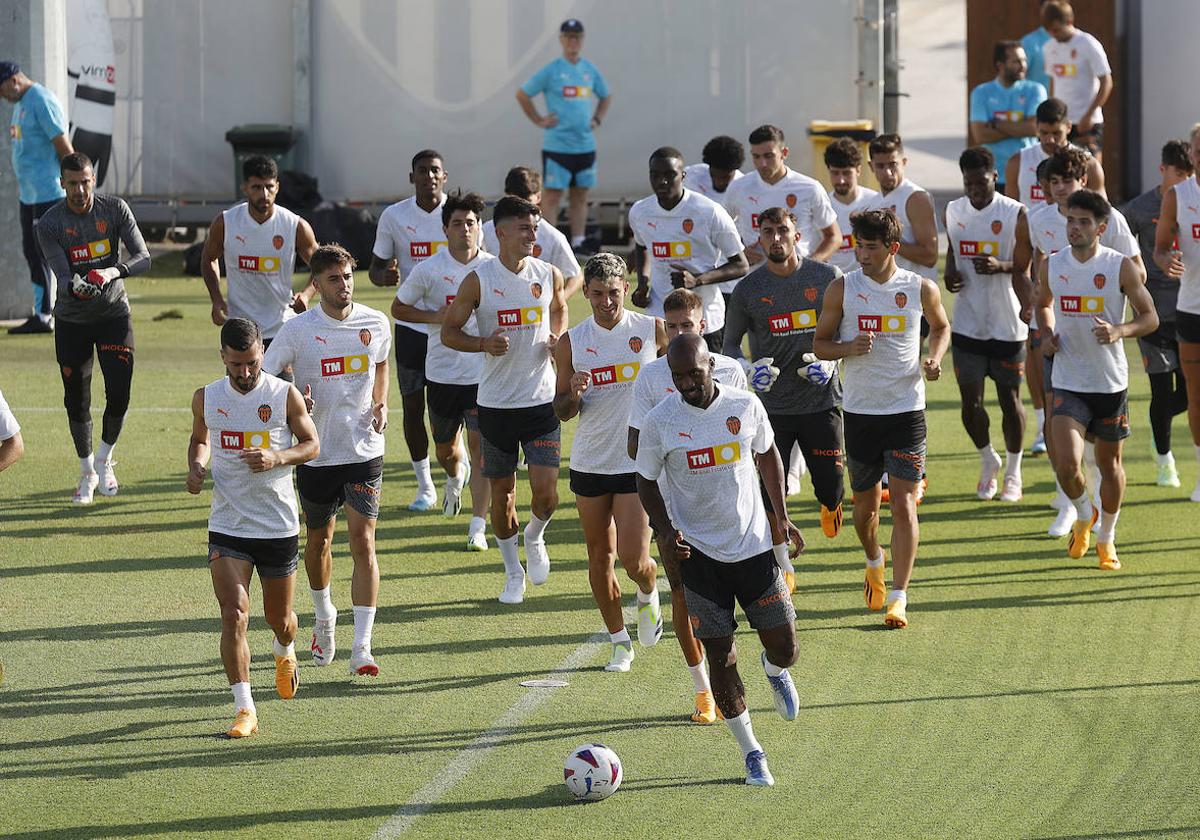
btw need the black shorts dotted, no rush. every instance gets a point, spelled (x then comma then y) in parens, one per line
(562, 170)
(76, 341)
(819, 435)
(598, 484)
(272, 558)
(1092, 140)
(714, 340)
(411, 347)
(711, 587)
(1104, 415)
(450, 408)
(1160, 350)
(1187, 327)
(323, 490)
(505, 430)
(879, 443)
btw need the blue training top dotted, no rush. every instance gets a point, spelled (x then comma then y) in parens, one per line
(37, 119)
(1033, 43)
(571, 92)
(1012, 104)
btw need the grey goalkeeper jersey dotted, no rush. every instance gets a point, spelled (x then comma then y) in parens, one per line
(780, 314)
(75, 243)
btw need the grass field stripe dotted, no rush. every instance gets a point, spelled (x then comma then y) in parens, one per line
(187, 409)
(473, 754)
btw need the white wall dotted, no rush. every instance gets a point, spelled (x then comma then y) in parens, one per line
(1170, 97)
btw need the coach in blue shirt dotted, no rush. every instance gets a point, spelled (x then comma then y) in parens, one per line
(38, 133)
(1002, 110)
(577, 100)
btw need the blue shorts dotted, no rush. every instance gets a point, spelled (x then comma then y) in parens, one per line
(561, 170)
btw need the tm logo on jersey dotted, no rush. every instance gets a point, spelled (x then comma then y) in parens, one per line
(670, 250)
(1067, 70)
(341, 365)
(714, 456)
(519, 317)
(614, 374)
(1081, 304)
(1008, 116)
(803, 319)
(882, 323)
(1195, 231)
(848, 243)
(245, 440)
(248, 263)
(91, 251)
(970, 248)
(421, 250)
(576, 91)
(1036, 193)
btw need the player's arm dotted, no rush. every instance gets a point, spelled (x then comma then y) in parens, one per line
(825, 344)
(669, 539)
(210, 268)
(379, 395)
(641, 294)
(198, 450)
(660, 336)
(924, 227)
(951, 275)
(571, 383)
(939, 328)
(383, 272)
(134, 242)
(1145, 320)
(457, 315)
(306, 243)
(11, 450)
(770, 469)
(735, 326)
(56, 257)
(530, 110)
(62, 146)
(307, 446)
(1101, 97)
(1095, 176)
(572, 285)
(831, 240)
(558, 309)
(1166, 255)
(1012, 177)
(1022, 257)
(1043, 309)
(601, 111)
(404, 304)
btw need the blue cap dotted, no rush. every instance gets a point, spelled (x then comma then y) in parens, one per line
(571, 25)
(8, 69)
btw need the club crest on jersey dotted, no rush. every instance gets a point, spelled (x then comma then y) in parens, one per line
(101, 226)
(364, 335)
(688, 224)
(901, 299)
(733, 424)
(264, 412)
(1099, 280)
(997, 226)
(791, 200)
(537, 250)
(635, 344)
(810, 294)
(536, 289)
(277, 241)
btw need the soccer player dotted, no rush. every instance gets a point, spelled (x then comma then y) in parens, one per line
(451, 377)
(987, 266)
(338, 351)
(682, 240)
(683, 314)
(598, 361)
(1081, 306)
(721, 165)
(12, 445)
(258, 241)
(1079, 72)
(411, 231)
(710, 446)
(520, 312)
(246, 421)
(778, 304)
(843, 159)
(1177, 252)
(871, 319)
(79, 237)
(551, 246)
(911, 204)
(1020, 178)
(38, 133)
(1160, 349)
(1002, 110)
(569, 85)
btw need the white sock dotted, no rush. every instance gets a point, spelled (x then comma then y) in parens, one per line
(456, 481)
(424, 477)
(1041, 420)
(535, 530)
(322, 604)
(364, 623)
(104, 452)
(771, 669)
(1012, 464)
(897, 595)
(1108, 526)
(1198, 453)
(877, 562)
(281, 650)
(781, 558)
(621, 637)
(1164, 459)
(508, 553)
(478, 525)
(1083, 507)
(987, 453)
(241, 696)
(744, 732)
(700, 677)
(87, 465)
(576, 241)
(647, 597)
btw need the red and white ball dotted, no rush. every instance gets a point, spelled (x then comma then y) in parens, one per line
(592, 772)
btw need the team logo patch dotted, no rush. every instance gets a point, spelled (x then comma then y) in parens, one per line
(901, 299)
(537, 250)
(1099, 280)
(101, 226)
(810, 294)
(791, 199)
(997, 226)
(264, 412)
(277, 241)
(536, 288)
(635, 344)
(364, 335)
(733, 424)
(688, 224)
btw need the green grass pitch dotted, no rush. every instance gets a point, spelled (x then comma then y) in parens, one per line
(1032, 696)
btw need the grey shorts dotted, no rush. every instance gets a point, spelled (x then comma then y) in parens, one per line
(1005, 365)
(1104, 415)
(324, 489)
(711, 587)
(879, 443)
(505, 430)
(1160, 350)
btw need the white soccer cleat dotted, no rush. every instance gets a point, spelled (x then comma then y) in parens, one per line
(650, 622)
(514, 589)
(108, 485)
(1011, 492)
(323, 642)
(86, 489)
(1060, 501)
(452, 499)
(477, 541)
(426, 500)
(537, 561)
(1063, 522)
(986, 488)
(362, 663)
(1039, 444)
(1168, 476)
(622, 657)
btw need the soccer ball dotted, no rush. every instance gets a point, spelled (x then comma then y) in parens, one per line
(819, 373)
(592, 772)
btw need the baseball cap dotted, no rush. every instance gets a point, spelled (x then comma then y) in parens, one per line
(571, 25)
(8, 69)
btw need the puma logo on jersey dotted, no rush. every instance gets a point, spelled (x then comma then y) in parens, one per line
(681, 434)
(591, 350)
(498, 292)
(223, 412)
(410, 228)
(652, 225)
(769, 301)
(861, 295)
(753, 199)
(320, 340)
(241, 239)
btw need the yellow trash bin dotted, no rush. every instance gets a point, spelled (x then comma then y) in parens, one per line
(823, 132)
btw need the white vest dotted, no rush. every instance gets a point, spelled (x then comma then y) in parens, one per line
(1082, 291)
(248, 504)
(844, 257)
(1187, 212)
(1032, 195)
(258, 266)
(897, 202)
(987, 307)
(519, 304)
(888, 379)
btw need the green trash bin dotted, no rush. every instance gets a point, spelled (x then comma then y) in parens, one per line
(273, 141)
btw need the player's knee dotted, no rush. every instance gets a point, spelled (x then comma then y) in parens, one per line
(235, 616)
(721, 653)
(784, 653)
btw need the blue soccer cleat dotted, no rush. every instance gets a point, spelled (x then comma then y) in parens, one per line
(787, 701)
(757, 772)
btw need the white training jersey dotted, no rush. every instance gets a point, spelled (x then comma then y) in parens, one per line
(518, 304)
(703, 459)
(254, 505)
(433, 284)
(696, 233)
(986, 307)
(1075, 67)
(1029, 158)
(550, 246)
(655, 384)
(1048, 232)
(614, 358)
(897, 202)
(8, 421)
(697, 178)
(1083, 291)
(337, 359)
(888, 379)
(801, 195)
(259, 259)
(1187, 212)
(844, 257)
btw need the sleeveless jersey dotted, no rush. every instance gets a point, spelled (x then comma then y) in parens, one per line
(258, 266)
(518, 304)
(615, 358)
(1082, 291)
(1032, 195)
(247, 504)
(1187, 212)
(888, 379)
(987, 307)
(897, 202)
(844, 257)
